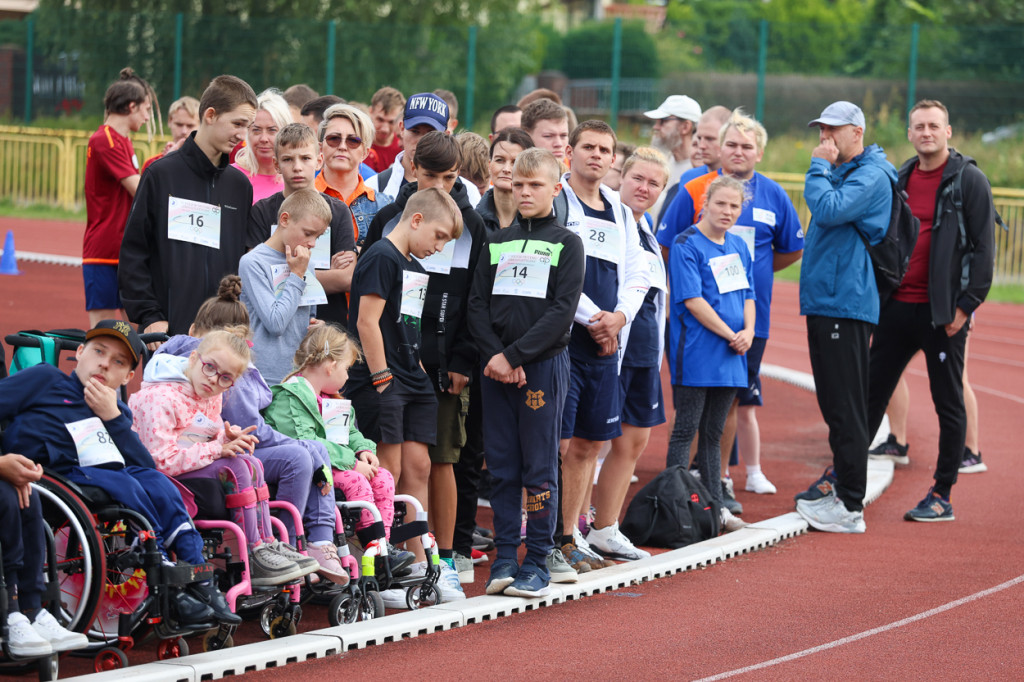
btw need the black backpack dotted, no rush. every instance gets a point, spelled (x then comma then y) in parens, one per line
(891, 256)
(674, 510)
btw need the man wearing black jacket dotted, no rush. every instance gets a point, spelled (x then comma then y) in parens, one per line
(524, 297)
(949, 276)
(188, 223)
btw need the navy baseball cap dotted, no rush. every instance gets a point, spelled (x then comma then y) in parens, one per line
(840, 113)
(426, 108)
(123, 332)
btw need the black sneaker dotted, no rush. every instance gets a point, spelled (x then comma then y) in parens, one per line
(931, 508)
(729, 499)
(208, 594)
(190, 610)
(891, 450)
(971, 463)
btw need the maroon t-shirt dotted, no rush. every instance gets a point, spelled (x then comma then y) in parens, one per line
(109, 159)
(922, 190)
(385, 155)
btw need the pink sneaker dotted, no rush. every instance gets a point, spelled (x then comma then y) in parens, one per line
(330, 565)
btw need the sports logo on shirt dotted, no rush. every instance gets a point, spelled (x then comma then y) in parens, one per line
(535, 400)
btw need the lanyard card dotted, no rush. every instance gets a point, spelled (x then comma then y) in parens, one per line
(602, 239)
(747, 234)
(414, 293)
(336, 414)
(729, 273)
(193, 221)
(522, 274)
(312, 295)
(93, 444)
(201, 430)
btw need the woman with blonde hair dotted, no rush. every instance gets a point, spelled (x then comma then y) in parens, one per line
(256, 159)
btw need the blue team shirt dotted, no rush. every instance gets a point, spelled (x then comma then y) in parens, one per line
(601, 284)
(698, 356)
(777, 229)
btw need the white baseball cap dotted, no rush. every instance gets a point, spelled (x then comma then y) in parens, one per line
(679, 106)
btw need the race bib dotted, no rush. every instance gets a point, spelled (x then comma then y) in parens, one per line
(193, 221)
(93, 444)
(656, 270)
(320, 256)
(313, 294)
(336, 415)
(763, 215)
(441, 262)
(414, 293)
(747, 234)
(201, 430)
(602, 239)
(728, 272)
(522, 274)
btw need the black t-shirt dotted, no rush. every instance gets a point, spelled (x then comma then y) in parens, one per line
(601, 284)
(384, 271)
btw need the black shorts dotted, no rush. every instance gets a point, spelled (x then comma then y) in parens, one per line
(751, 395)
(396, 415)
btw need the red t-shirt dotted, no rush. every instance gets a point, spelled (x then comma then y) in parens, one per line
(385, 155)
(922, 189)
(109, 159)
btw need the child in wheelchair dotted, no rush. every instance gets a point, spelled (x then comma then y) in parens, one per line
(75, 426)
(31, 630)
(178, 418)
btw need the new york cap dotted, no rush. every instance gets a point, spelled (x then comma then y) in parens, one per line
(123, 332)
(428, 108)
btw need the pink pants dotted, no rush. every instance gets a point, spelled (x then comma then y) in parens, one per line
(380, 491)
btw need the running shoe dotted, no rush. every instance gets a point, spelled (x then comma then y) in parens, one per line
(971, 463)
(610, 542)
(932, 508)
(759, 483)
(267, 568)
(891, 450)
(595, 560)
(60, 638)
(529, 583)
(306, 563)
(503, 574)
(730, 523)
(829, 514)
(729, 497)
(576, 559)
(559, 570)
(464, 567)
(823, 487)
(449, 585)
(23, 640)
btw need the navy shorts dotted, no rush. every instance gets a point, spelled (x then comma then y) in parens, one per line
(396, 415)
(751, 395)
(101, 287)
(642, 404)
(593, 403)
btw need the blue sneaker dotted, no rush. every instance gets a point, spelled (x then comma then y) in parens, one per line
(823, 487)
(503, 574)
(529, 583)
(931, 508)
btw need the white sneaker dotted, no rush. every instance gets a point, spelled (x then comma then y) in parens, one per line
(464, 567)
(596, 560)
(60, 638)
(759, 483)
(610, 542)
(23, 640)
(829, 514)
(394, 598)
(448, 584)
(634, 479)
(730, 522)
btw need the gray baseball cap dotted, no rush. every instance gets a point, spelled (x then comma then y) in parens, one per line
(840, 113)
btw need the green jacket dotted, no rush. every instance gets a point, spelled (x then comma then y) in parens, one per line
(294, 412)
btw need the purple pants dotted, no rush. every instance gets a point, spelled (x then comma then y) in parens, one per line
(239, 474)
(291, 468)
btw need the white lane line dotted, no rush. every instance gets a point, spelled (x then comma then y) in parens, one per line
(977, 388)
(869, 633)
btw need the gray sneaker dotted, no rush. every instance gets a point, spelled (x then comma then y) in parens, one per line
(307, 563)
(829, 514)
(267, 568)
(729, 497)
(559, 568)
(464, 567)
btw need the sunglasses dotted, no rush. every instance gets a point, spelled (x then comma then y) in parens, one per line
(210, 370)
(351, 141)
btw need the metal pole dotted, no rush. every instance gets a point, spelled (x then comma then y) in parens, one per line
(30, 47)
(616, 69)
(912, 71)
(762, 65)
(470, 77)
(179, 32)
(331, 35)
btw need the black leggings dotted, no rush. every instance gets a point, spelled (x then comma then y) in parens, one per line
(702, 408)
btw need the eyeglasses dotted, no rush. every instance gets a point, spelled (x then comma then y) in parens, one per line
(210, 370)
(351, 141)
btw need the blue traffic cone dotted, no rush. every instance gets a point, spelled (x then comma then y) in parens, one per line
(9, 261)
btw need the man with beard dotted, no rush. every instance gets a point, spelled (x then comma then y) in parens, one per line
(674, 124)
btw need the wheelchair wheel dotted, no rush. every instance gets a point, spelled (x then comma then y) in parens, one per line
(49, 668)
(371, 605)
(80, 559)
(211, 641)
(422, 595)
(171, 648)
(110, 658)
(275, 623)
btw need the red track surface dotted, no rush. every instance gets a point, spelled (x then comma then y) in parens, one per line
(804, 593)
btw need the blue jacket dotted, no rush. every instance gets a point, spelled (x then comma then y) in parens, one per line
(854, 199)
(39, 401)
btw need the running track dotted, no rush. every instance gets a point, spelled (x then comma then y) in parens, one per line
(904, 601)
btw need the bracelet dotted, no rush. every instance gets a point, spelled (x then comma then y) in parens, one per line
(386, 370)
(382, 381)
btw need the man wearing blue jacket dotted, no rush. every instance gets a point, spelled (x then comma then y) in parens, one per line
(848, 191)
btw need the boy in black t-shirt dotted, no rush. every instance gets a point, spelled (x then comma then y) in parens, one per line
(391, 393)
